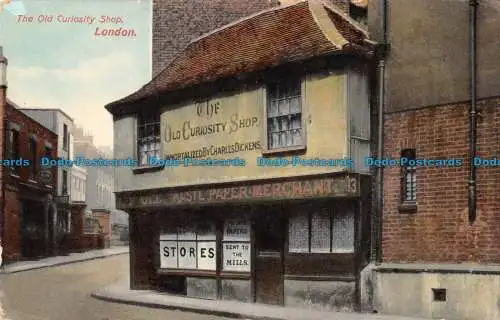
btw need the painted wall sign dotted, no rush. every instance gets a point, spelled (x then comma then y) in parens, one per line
(340, 186)
(199, 255)
(236, 256)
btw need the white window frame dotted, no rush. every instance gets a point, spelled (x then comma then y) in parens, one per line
(308, 212)
(151, 142)
(303, 115)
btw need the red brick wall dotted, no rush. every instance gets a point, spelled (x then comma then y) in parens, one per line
(12, 227)
(31, 127)
(439, 231)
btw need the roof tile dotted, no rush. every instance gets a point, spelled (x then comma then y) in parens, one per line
(269, 38)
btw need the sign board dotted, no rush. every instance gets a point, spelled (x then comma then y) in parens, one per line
(236, 256)
(199, 255)
(338, 186)
(237, 230)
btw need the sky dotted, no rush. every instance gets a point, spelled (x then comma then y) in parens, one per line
(54, 64)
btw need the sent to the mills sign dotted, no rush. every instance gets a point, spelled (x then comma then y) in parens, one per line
(340, 186)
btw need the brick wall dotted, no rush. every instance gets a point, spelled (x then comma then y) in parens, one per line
(12, 227)
(32, 127)
(439, 231)
(177, 22)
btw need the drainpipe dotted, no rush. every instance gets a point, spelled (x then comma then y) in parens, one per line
(472, 110)
(3, 102)
(383, 48)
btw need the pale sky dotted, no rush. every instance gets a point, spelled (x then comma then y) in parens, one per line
(64, 65)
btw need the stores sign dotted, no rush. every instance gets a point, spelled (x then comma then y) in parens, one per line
(199, 255)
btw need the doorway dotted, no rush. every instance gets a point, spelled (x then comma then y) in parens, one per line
(269, 229)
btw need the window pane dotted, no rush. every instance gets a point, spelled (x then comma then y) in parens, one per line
(284, 123)
(206, 255)
(297, 137)
(298, 233)
(168, 233)
(272, 125)
(273, 109)
(275, 140)
(236, 256)
(283, 107)
(187, 233)
(295, 105)
(168, 254)
(187, 254)
(296, 121)
(284, 139)
(320, 231)
(237, 230)
(343, 230)
(205, 231)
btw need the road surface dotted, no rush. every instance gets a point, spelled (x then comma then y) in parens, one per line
(62, 293)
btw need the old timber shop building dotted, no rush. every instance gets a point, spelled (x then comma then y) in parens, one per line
(287, 82)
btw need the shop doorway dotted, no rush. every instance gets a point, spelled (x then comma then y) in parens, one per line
(32, 229)
(269, 229)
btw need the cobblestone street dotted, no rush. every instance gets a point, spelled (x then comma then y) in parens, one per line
(63, 292)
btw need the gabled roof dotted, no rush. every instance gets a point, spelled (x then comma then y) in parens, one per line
(269, 38)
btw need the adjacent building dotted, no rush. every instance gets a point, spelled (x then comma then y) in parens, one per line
(246, 226)
(440, 245)
(99, 180)
(28, 208)
(3, 102)
(63, 125)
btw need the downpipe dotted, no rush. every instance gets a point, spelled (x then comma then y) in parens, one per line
(472, 201)
(383, 50)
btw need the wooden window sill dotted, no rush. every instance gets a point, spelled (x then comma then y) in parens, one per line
(284, 151)
(147, 169)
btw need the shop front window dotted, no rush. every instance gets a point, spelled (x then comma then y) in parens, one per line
(189, 247)
(236, 245)
(322, 231)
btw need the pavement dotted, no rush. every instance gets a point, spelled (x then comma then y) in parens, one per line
(62, 260)
(120, 293)
(63, 292)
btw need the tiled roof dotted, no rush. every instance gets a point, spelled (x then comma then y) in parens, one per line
(177, 22)
(270, 38)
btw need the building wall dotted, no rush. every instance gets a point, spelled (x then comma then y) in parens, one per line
(177, 22)
(29, 126)
(61, 120)
(324, 111)
(78, 183)
(99, 180)
(11, 241)
(439, 231)
(12, 206)
(45, 117)
(468, 296)
(54, 119)
(428, 61)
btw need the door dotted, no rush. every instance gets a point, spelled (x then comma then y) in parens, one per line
(269, 246)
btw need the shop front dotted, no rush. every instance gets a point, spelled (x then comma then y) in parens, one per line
(290, 242)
